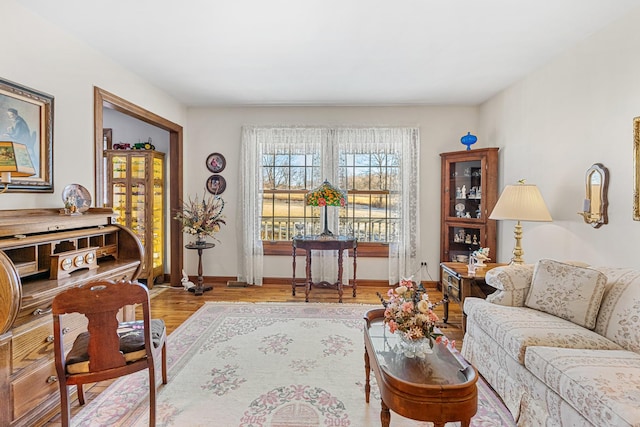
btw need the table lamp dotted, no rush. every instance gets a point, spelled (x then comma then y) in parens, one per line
(323, 196)
(14, 159)
(522, 202)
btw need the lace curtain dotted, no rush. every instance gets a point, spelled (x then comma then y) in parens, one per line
(329, 142)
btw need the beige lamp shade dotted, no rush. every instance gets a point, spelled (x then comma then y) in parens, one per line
(522, 202)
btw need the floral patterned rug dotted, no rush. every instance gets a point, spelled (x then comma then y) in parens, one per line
(264, 365)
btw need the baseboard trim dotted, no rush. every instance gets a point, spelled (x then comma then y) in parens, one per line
(232, 282)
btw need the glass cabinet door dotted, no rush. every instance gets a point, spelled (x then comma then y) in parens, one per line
(120, 206)
(138, 167)
(158, 212)
(462, 240)
(138, 210)
(465, 189)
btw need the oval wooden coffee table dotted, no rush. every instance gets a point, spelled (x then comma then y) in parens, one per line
(439, 388)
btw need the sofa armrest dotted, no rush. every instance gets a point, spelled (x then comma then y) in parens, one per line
(512, 284)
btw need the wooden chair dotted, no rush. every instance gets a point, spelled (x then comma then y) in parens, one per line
(109, 349)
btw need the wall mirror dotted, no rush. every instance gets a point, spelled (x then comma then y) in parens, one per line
(594, 209)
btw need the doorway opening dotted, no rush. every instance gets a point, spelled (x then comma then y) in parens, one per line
(104, 99)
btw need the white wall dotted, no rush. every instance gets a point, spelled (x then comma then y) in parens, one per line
(219, 130)
(38, 55)
(127, 129)
(553, 125)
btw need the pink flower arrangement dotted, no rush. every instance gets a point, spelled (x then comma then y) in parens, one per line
(410, 312)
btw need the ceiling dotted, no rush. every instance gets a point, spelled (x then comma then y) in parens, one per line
(331, 52)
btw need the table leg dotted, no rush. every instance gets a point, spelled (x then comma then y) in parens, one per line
(445, 305)
(293, 280)
(385, 414)
(200, 288)
(307, 288)
(355, 285)
(340, 291)
(367, 374)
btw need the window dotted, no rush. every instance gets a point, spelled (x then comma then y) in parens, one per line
(366, 178)
(377, 167)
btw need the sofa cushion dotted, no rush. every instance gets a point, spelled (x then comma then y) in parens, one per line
(602, 385)
(618, 318)
(517, 328)
(567, 291)
(512, 283)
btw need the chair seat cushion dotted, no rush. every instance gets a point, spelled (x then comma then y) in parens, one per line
(131, 336)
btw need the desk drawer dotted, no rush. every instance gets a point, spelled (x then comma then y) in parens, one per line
(36, 343)
(451, 285)
(32, 390)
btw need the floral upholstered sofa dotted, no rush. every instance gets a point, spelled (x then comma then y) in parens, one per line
(560, 343)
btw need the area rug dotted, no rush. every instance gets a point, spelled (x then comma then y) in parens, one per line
(264, 365)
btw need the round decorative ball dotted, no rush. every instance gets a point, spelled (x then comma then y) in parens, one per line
(468, 140)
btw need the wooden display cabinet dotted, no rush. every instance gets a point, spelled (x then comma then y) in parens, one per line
(42, 253)
(135, 190)
(469, 193)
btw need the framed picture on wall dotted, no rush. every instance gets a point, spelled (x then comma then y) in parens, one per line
(216, 162)
(216, 184)
(26, 117)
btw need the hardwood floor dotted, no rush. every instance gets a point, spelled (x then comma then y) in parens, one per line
(175, 305)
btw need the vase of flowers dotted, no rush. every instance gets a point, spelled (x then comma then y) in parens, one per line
(202, 217)
(409, 312)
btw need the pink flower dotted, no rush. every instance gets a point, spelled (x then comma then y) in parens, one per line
(393, 326)
(407, 306)
(322, 202)
(342, 202)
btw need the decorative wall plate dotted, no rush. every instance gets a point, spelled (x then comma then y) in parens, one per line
(216, 162)
(460, 207)
(216, 184)
(80, 194)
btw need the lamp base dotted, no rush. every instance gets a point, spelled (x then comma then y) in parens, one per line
(326, 233)
(517, 250)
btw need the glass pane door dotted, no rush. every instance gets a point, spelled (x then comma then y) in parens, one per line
(138, 210)
(119, 193)
(158, 211)
(465, 189)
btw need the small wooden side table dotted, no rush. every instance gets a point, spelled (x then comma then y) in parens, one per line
(457, 284)
(199, 289)
(309, 243)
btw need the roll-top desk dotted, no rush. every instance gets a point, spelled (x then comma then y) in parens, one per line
(41, 254)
